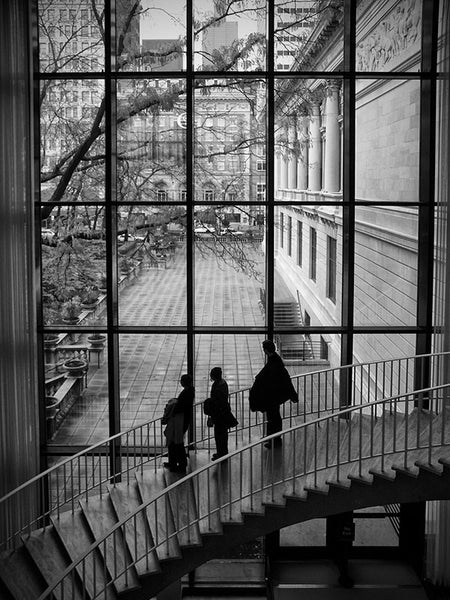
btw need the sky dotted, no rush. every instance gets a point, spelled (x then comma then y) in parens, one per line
(166, 18)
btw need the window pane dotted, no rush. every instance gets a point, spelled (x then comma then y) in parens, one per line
(150, 371)
(71, 36)
(299, 26)
(72, 141)
(389, 37)
(73, 265)
(151, 35)
(387, 140)
(376, 347)
(240, 357)
(229, 265)
(152, 265)
(151, 140)
(76, 389)
(385, 266)
(229, 130)
(308, 140)
(230, 37)
(308, 283)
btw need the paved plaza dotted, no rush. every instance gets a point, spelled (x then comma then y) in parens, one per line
(151, 364)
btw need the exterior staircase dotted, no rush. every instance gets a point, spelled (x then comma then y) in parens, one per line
(292, 346)
(133, 534)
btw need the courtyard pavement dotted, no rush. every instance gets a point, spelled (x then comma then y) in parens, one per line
(150, 365)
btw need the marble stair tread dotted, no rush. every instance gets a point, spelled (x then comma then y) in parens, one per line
(159, 514)
(51, 558)
(74, 532)
(125, 498)
(101, 517)
(20, 575)
(184, 510)
(207, 493)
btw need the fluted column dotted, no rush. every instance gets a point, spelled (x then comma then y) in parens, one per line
(332, 133)
(315, 151)
(277, 160)
(284, 170)
(302, 158)
(292, 157)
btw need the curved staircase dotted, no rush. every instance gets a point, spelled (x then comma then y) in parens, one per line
(138, 532)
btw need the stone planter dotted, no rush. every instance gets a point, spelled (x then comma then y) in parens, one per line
(97, 341)
(75, 367)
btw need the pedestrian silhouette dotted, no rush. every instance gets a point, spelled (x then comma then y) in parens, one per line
(217, 408)
(271, 388)
(178, 417)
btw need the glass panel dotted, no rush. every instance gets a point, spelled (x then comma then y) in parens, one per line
(240, 357)
(152, 265)
(377, 347)
(151, 35)
(76, 388)
(300, 27)
(150, 370)
(308, 140)
(230, 140)
(314, 286)
(73, 265)
(229, 265)
(310, 533)
(375, 531)
(385, 265)
(230, 36)
(151, 140)
(72, 141)
(71, 36)
(387, 140)
(389, 36)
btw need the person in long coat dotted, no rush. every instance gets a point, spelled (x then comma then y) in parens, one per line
(218, 408)
(177, 418)
(271, 388)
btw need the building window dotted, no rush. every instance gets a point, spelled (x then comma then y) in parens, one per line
(299, 243)
(208, 195)
(289, 235)
(260, 192)
(161, 195)
(281, 230)
(331, 269)
(312, 253)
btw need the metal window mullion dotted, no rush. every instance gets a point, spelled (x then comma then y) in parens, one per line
(190, 249)
(348, 209)
(270, 180)
(425, 271)
(111, 242)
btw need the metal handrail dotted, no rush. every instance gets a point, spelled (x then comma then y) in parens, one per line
(67, 481)
(422, 441)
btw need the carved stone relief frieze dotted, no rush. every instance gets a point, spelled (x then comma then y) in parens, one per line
(399, 31)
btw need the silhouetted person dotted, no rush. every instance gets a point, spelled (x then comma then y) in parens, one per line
(177, 418)
(217, 407)
(271, 388)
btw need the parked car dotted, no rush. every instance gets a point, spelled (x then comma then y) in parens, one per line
(204, 230)
(47, 234)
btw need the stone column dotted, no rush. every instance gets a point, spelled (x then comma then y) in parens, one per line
(302, 158)
(332, 134)
(278, 159)
(314, 158)
(292, 157)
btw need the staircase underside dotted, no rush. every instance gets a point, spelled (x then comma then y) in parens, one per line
(199, 523)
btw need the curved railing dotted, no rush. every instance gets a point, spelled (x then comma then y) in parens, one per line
(415, 433)
(320, 392)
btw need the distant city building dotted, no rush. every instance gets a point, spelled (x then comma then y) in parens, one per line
(293, 23)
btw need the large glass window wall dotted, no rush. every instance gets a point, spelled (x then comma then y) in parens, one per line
(180, 154)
